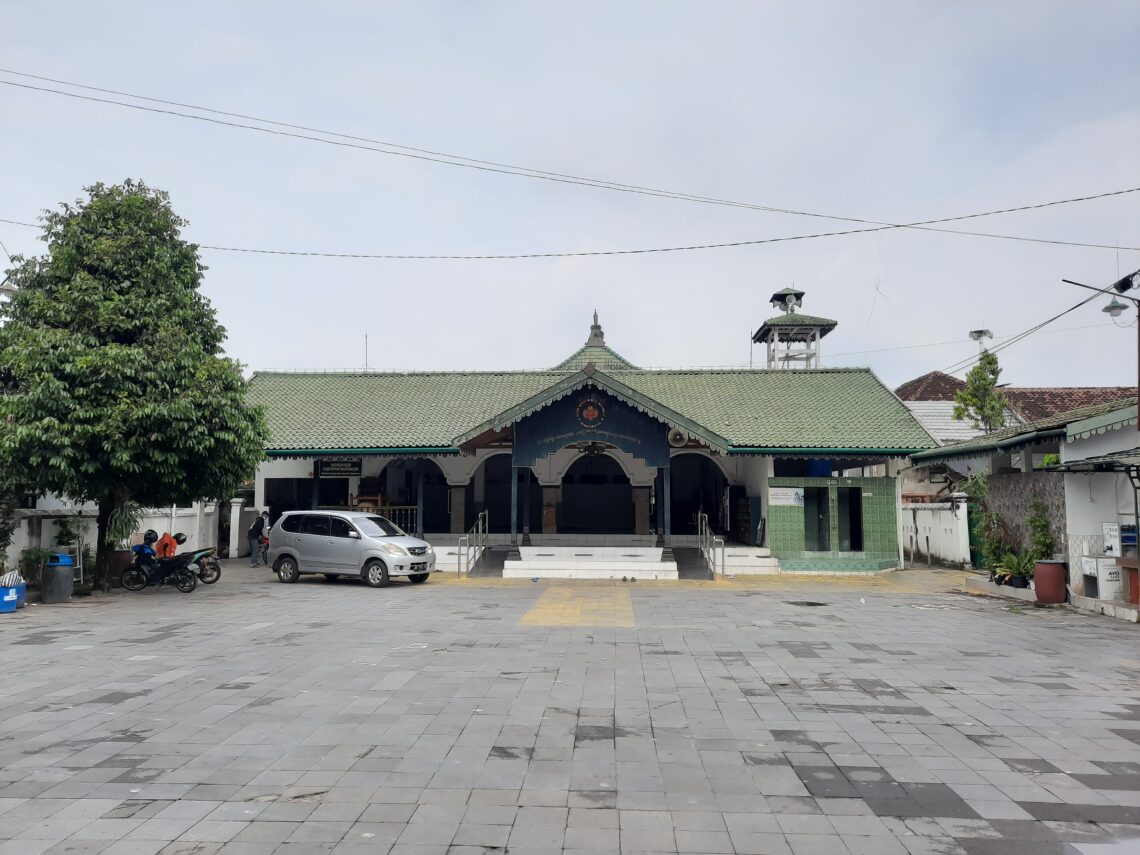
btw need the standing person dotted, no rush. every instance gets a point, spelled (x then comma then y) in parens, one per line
(254, 534)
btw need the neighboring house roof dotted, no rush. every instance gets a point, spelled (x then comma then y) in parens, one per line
(752, 411)
(1028, 402)
(1011, 438)
(934, 386)
(1040, 402)
(938, 419)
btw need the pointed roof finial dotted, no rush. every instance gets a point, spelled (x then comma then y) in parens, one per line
(597, 337)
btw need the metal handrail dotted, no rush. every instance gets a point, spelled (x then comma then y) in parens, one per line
(472, 545)
(709, 544)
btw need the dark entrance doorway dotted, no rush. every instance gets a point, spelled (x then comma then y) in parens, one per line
(596, 498)
(497, 496)
(697, 486)
(399, 480)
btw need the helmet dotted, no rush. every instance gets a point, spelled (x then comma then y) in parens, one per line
(151, 536)
(179, 538)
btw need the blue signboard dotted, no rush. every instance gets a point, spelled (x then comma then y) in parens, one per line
(590, 415)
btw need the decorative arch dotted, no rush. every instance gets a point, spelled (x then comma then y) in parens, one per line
(722, 463)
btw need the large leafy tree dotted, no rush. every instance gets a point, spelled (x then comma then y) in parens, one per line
(981, 401)
(115, 385)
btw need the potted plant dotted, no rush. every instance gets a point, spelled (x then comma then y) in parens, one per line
(1019, 567)
(1050, 576)
(124, 522)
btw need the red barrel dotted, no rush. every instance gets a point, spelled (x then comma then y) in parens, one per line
(1133, 592)
(1049, 579)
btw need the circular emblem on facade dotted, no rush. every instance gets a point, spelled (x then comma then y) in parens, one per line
(590, 413)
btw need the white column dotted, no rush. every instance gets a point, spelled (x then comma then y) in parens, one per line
(238, 545)
(199, 540)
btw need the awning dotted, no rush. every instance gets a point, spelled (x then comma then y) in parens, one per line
(1117, 461)
(1101, 424)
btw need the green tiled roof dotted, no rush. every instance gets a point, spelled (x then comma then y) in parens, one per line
(601, 355)
(840, 409)
(795, 319)
(1018, 435)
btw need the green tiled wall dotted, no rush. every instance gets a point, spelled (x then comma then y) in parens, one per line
(880, 528)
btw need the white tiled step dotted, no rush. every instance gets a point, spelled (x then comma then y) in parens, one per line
(648, 570)
(747, 552)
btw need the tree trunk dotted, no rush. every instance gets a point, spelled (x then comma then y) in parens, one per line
(103, 549)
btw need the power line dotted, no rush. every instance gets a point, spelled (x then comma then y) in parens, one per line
(966, 363)
(533, 255)
(395, 149)
(947, 343)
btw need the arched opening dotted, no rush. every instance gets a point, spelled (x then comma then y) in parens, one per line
(697, 486)
(495, 488)
(397, 486)
(596, 497)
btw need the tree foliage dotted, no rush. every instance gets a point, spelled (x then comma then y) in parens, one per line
(981, 401)
(115, 385)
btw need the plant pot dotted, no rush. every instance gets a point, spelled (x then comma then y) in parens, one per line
(1049, 578)
(1019, 582)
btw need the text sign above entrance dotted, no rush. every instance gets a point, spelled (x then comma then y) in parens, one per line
(590, 415)
(339, 468)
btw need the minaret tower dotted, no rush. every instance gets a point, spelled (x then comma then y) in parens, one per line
(792, 339)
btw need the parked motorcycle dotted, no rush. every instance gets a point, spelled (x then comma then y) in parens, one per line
(147, 569)
(209, 568)
(204, 562)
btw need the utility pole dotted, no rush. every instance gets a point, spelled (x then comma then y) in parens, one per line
(1115, 308)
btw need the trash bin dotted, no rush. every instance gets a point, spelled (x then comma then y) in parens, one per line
(57, 582)
(12, 597)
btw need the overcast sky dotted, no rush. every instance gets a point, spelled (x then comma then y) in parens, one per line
(890, 111)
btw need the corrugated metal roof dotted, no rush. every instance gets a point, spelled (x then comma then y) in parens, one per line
(938, 419)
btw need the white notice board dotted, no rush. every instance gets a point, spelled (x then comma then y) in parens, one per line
(786, 496)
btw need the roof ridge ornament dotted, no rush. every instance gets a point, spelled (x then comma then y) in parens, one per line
(597, 338)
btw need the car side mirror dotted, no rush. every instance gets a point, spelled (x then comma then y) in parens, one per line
(354, 534)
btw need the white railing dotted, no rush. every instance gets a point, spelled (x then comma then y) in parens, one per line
(711, 545)
(472, 545)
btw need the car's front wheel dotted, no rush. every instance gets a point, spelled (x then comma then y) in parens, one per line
(375, 574)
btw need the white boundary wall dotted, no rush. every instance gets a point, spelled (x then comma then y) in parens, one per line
(935, 533)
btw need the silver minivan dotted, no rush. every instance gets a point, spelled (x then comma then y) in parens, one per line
(346, 543)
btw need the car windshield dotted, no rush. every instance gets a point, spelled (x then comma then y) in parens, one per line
(378, 526)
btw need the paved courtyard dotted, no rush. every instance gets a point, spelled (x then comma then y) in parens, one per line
(814, 717)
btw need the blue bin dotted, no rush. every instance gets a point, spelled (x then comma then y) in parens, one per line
(13, 598)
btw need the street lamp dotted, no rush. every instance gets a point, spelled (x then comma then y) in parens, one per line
(1115, 308)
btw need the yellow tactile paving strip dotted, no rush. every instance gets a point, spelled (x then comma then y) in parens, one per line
(902, 582)
(582, 606)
